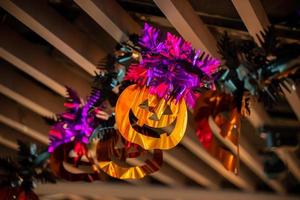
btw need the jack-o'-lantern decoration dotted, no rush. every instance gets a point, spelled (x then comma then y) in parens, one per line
(151, 122)
(111, 155)
(66, 162)
(218, 120)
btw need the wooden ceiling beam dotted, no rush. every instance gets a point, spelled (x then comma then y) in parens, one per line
(165, 174)
(196, 171)
(27, 93)
(185, 20)
(46, 22)
(22, 120)
(111, 17)
(293, 96)
(191, 142)
(8, 143)
(260, 117)
(253, 16)
(37, 63)
(153, 192)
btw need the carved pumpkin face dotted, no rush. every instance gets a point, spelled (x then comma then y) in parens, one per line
(64, 165)
(112, 159)
(149, 121)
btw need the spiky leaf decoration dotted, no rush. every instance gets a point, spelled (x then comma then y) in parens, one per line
(261, 71)
(77, 122)
(170, 67)
(20, 176)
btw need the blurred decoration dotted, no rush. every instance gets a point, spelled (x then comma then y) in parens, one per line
(279, 136)
(217, 117)
(292, 21)
(69, 137)
(110, 78)
(111, 152)
(18, 178)
(153, 123)
(273, 166)
(70, 161)
(261, 71)
(249, 69)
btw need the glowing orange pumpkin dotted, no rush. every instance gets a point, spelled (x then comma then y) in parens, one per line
(149, 121)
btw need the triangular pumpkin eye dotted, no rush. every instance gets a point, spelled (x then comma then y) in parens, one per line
(167, 111)
(154, 117)
(144, 105)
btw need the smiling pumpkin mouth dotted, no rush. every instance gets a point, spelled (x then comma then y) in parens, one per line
(148, 130)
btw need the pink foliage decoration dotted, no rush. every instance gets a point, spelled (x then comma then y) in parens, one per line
(170, 67)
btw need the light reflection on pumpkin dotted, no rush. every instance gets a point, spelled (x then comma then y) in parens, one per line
(110, 156)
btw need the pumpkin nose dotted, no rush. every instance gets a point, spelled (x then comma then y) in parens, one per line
(159, 109)
(154, 117)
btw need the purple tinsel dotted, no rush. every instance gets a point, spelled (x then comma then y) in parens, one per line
(170, 67)
(76, 123)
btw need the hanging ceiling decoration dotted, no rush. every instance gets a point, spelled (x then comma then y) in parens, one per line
(218, 118)
(111, 153)
(249, 70)
(18, 178)
(258, 70)
(77, 123)
(153, 113)
(151, 81)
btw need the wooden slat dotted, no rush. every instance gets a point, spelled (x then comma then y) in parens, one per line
(184, 19)
(290, 159)
(192, 168)
(22, 119)
(130, 192)
(8, 143)
(253, 16)
(260, 117)
(61, 196)
(36, 62)
(191, 142)
(13, 135)
(111, 17)
(293, 97)
(166, 174)
(26, 92)
(38, 16)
